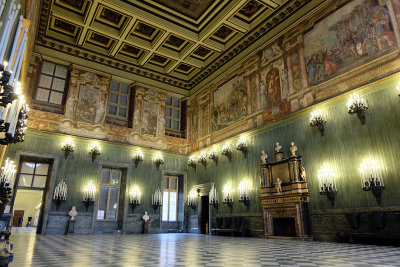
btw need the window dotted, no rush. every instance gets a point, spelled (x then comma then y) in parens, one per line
(118, 103)
(170, 198)
(109, 193)
(51, 84)
(33, 174)
(173, 114)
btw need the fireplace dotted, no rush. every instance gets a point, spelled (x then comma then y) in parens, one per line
(284, 227)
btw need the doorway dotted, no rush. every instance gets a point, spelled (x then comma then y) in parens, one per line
(204, 214)
(30, 192)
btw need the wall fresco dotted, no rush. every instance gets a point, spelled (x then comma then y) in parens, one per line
(351, 36)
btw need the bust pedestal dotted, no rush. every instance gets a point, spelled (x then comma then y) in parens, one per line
(70, 227)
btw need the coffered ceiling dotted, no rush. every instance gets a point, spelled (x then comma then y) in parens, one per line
(178, 43)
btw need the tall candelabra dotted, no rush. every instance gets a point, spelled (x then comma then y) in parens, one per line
(60, 193)
(243, 192)
(192, 200)
(13, 110)
(327, 184)
(371, 177)
(6, 184)
(214, 199)
(89, 194)
(156, 199)
(134, 197)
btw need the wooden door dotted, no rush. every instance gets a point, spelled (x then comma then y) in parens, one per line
(17, 215)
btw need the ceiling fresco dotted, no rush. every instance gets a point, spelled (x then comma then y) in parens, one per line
(174, 42)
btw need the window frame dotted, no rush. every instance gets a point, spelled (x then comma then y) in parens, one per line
(50, 90)
(169, 190)
(109, 186)
(34, 175)
(118, 105)
(172, 118)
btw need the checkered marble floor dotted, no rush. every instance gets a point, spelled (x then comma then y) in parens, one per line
(191, 250)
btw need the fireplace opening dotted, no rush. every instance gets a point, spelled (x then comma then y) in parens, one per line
(284, 227)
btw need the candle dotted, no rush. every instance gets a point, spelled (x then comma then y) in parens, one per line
(14, 47)
(18, 60)
(6, 31)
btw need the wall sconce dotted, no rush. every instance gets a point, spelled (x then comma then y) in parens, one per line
(398, 88)
(94, 150)
(138, 157)
(357, 105)
(192, 162)
(134, 197)
(226, 151)
(317, 120)
(327, 185)
(214, 199)
(156, 199)
(60, 193)
(371, 177)
(213, 155)
(158, 160)
(243, 190)
(67, 147)
(202, 159)
(228, 200)
(192, 199)
(89, 194)
(241, 145)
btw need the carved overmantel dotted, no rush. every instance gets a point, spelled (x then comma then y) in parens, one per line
(284, 195)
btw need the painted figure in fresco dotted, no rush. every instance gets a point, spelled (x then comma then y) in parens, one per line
(362, 34)
(100, 111)
(274, 87)
(70, 106)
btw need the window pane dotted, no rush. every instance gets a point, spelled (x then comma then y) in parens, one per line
(105, 177)
(123, 100)
(175, 113)
(61, 71)
(173, 183)
(169, 100)
(122, 112)
(45, 81)
(168, 123)
(42, 94)
(48, 67)
(116, 177)
(115, 86)
(28, 167)
(166, 182)
(168, 112)
(25, 180)
(125, 88)
(165, 207)
(58, 84)
(42, 168)
(175, 125)
(112, 110)
(176, 102)
(172, 206)
(101, 213)
(114, 98)
(56, 98)
(113, 204)
(39, 181)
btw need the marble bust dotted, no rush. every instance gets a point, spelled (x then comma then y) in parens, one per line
(72, 213)
(278, 147)
(293, 149)
(263, 157)
(145, 217)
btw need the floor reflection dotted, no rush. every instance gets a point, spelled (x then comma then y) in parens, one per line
(191, 250)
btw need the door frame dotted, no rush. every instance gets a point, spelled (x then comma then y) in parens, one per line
(50, 184)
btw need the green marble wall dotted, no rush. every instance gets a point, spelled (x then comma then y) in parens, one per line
(78, 169)
(345, 144)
